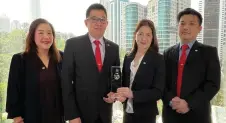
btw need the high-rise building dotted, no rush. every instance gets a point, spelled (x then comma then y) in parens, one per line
(106, 4)
(133, 13)
(4, 23)
(25, 26)
(222, 30)
(201, 11)
(164, 15)
(35, 9)
(214, 24)
(211, 23)
(117, 7)
(222, 51)
(15, 24)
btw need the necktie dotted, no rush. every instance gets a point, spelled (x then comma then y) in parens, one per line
(98, 55)
(181, 68)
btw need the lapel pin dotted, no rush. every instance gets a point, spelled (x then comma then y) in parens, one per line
(144, 62)
(196, 50)
(43, 68)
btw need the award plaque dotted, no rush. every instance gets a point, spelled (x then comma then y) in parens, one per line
(116, 78)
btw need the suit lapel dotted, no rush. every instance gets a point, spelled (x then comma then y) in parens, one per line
(107, 54)
(175, 59)
(193, 54)
(142, 66)
(88, 52)
(175, 53)
(129, 60)
(192, 57)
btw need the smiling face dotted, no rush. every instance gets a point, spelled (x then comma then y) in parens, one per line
(43, 36)
(144, 37)
(96, 23)
(188, 28)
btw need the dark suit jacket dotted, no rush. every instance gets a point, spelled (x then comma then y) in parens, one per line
(148, 84)
(201, 81)
(83, 85)
(23, 89)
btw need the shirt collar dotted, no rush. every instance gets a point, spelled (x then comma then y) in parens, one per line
(189, 44)
(92, 39)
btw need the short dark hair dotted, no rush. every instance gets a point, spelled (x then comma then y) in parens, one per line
(95, 6)
(191, 11)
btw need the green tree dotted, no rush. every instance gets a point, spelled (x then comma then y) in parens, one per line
(5, 60)
(12, 42)
(218, 100)
(16, 41)
(3, 86)
(3, 41)
(60, 44)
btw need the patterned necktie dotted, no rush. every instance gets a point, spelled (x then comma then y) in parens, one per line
(98, 55)
(181, 68)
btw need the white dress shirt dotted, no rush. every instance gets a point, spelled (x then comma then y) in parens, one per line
(102, 46)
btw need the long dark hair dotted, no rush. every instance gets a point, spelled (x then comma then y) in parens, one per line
(31, 46)
(154, 43)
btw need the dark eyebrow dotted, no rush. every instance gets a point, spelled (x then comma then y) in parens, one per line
(189, 21)
(43, 30)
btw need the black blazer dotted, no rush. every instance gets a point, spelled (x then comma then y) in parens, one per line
(23, 89)
(201, 81)
(83, 85)
(148, 84)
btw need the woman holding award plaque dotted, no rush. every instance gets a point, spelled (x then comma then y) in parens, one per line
(143, 76)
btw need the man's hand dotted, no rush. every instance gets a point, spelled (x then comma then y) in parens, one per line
(110, 98)
(18, 120)
(175, 102)
(119, 97)
(125, 91)
(76, 120)
(183, 107)
(180, 105)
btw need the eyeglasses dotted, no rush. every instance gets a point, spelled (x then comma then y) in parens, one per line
(96, 20)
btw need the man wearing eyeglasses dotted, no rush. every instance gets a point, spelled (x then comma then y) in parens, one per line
(86, 71)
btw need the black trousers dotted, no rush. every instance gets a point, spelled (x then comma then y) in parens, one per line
(98, 120)
(134, 118)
